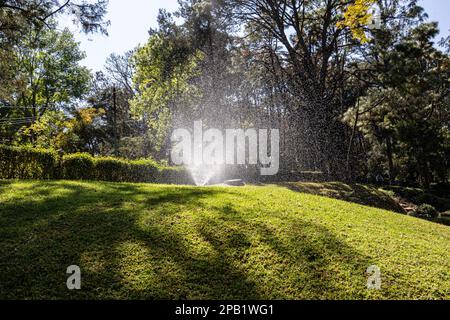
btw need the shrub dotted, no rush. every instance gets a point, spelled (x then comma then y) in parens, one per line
(78, 166)
(84, 166)
(31, 163)
(121, 170)
(425, 210)
(441, 204)
(144, 171)
(27, 163)
(110, 169)
(174, 175)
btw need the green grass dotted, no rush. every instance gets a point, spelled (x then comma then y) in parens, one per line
(137, 241)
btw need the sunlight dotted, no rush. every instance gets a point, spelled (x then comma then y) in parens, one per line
(204, 174)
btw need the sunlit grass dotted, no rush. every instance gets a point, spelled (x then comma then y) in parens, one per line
(137, 241)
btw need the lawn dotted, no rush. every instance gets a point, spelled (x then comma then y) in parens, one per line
(139, 241)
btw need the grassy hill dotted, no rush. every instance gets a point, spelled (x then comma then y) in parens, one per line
(138, 241)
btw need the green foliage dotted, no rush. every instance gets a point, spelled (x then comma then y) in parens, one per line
(117, 133)
(82, 132)
(18, 17)
(33, 163)
(439, 199)
(51, 61)
(426, 210)
(27, 163)
(296, 69)
(120, 170)
(174, 175)
(164, 67)
(47, 130)
(23, 22)
(48, 79)
(403, 116)
(83, 166)
(78, 166)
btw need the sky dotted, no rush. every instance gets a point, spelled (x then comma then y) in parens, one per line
(131, 20)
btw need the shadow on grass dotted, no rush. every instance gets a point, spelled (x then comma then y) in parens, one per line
(356, 193)
(141, 242)
(291, 258)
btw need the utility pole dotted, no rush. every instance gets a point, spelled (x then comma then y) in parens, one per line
(116, 148)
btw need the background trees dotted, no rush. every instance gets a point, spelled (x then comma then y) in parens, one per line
(19, 18)
(404, 115)
(46, 64)
(352, 101)
(39, 64)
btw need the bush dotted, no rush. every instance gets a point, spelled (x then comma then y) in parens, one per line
(110, 169)
(425, 210)
(31, 163)
(78, 166)
(174, 175)
(84, 166)
(27, 163)
(121, 170)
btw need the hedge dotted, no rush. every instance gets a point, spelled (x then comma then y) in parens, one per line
(78, 166)
(27, 163)
(83, 166)
(31, 163)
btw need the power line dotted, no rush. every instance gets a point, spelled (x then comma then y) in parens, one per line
(16, 119)
(22, 118)
(12, 119)
(15, 122)
(16, 107)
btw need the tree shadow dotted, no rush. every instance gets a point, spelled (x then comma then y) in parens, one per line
(69, 223)
(310, 261)
(140, 242)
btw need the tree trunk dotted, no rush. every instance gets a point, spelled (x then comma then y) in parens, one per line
(390, 159)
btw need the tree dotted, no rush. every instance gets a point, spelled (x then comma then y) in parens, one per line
(312, 51)
(120, 70)
(190, 71)
(357, 17)
(47, 130)
(19, 18)
(164, 67)
(82, 132)
(49, 61)
(404, 115)
(112, 93)
(89, 16)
